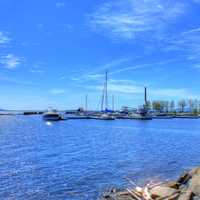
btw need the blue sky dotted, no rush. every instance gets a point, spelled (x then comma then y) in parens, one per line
(53, 53)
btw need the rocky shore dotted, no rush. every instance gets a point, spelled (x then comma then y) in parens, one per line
(186, 187)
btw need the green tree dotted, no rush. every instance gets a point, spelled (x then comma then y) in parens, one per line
(148, 105)
(172, 106)
(156, 106)
(166, 106)
(191, 104)
(182, 104)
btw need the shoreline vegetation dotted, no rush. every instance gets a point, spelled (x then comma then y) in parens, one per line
(186, 187)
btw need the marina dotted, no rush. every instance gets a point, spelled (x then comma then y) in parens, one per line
(100, 100)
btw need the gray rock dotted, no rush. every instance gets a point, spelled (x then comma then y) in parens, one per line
(194, 171)
(196, 198)
(195, 185)
(186, 195)
(162, 191)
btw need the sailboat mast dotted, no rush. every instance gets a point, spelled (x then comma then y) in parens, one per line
(106, 91)
(113, 102)
(145, 95)
(86, 102)
(102, 98)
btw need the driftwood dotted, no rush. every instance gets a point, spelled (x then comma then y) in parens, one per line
(134, 194)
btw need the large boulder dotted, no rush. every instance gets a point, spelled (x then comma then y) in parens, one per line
(194, 171)
(187, 195)
(162, 192)
(195, 185)
(196, 198)
(197, 171)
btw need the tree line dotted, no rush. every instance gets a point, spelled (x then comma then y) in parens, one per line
(191, 105)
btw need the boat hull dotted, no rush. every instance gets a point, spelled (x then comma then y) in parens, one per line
(55, 117)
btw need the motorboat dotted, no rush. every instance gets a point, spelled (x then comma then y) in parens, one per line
(52, 115)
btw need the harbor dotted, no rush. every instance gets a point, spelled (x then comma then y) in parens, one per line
(100, 100)
(149, 110)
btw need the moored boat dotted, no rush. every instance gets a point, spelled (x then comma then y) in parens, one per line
(52, 115)
(106, 116)
(140, 116)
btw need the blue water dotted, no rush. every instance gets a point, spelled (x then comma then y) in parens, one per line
(79, 159)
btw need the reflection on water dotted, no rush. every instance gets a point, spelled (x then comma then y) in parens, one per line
(49, 123)
(78, 159)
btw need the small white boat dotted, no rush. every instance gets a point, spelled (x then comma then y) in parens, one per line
(52, 116)
(106, 117)
(140, 116)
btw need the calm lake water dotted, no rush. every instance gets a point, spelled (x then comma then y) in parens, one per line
(79, 159)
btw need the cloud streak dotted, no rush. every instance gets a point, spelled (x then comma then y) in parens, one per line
(11, 61)
(130, 19)
(57, 91)
(14, 81)
(60, 4)
(4, 39)
(129, 87)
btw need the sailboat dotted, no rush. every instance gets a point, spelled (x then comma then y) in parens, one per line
(105, 115)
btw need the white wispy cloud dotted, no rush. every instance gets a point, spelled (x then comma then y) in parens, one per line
(196, 1)
(40, 26)
(131, 18)
(14, 81)
(130, 68)
(60, 4)
(115, 63)
(186, 43)
(129, 87)
(196, 66)
(4, 39)
(125, 88)
(37, 71)
(172, 93)
(116, 67)
(120, 87)
(38, 67)
(57, 91)
(98, 74)
(11, 61)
